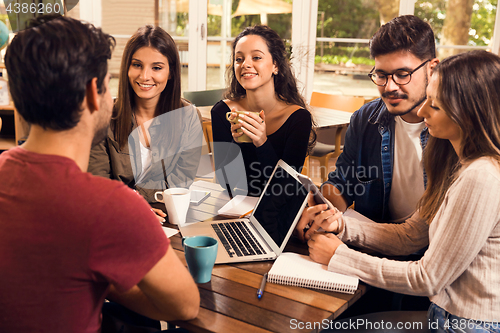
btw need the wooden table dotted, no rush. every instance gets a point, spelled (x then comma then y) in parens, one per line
(209, 208)
(229, 302)
(324, 117)
(330, 118)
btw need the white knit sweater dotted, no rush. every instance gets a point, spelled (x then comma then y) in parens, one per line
(460, 271)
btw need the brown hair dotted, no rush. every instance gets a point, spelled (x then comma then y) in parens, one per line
(170, 98)
(408, 33)
(285, 85)
(468, 92)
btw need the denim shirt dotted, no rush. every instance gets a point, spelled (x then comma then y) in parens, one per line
(363, 171)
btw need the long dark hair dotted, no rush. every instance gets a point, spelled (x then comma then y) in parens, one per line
(170, 98)
(468, 92)
(285, 84)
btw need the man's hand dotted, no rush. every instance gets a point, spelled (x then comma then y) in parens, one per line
(322, 247)
(314, 217)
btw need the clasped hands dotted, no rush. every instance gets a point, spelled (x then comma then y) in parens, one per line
(252, 125)
(322, 243)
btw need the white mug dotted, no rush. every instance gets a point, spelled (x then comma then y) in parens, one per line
(176, 202)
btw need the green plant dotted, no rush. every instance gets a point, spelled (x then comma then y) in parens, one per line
(341, 60)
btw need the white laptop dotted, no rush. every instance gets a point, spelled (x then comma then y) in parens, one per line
(262, 236)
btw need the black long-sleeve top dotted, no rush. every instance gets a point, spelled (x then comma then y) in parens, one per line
(288, 143)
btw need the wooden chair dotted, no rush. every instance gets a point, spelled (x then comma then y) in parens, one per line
(207, 158)
(207, 133)
(200, 99)
(305, 167)
(369, 99)
(330, 141)
(204, 97)
(337, 102)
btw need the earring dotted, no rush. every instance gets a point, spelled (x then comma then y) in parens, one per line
(275, 73)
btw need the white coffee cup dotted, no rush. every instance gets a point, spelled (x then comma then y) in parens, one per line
(176, 202)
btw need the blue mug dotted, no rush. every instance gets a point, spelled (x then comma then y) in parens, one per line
(200, 253)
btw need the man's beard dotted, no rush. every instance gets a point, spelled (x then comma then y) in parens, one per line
(422, 98)
(105, 112)
(99, 135)
(404, 96)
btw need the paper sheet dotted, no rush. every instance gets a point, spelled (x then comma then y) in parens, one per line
(238, 206)
(170, 231)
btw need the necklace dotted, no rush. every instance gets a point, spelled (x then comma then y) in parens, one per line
(276, 103)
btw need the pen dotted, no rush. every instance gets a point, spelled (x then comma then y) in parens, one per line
(228, 188)
(260, 292)
(246, 214)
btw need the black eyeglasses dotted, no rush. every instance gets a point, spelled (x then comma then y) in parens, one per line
(399, 77)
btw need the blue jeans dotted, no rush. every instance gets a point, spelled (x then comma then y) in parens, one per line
(442, 321)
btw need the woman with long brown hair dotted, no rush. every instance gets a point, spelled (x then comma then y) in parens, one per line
(155, 137)
(458, 216)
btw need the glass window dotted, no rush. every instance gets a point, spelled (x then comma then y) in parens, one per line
(459, 22)
(342, 59)
(174, 18)
(227, 18)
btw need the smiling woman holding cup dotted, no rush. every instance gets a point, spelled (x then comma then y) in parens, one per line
(263, 114)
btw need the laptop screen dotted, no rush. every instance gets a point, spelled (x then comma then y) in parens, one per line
(279, 204)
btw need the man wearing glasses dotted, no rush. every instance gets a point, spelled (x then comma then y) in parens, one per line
(380, 169)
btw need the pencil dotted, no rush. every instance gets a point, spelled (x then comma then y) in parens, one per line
(247, 213)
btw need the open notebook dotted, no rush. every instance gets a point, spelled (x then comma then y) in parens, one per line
(299, 270)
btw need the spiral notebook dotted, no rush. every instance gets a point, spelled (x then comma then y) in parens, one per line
(299, 270)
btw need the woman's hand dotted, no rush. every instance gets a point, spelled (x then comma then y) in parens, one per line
(254, 126)
(235, 126)
(322, 247)
(315, 217)
(159, 214)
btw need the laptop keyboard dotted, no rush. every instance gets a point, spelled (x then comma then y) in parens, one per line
(237, 239)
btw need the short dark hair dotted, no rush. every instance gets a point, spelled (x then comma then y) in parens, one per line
(406, 32)
(170, 98)
(50, 65)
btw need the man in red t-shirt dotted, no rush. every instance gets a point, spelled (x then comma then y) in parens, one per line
(68, 239)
